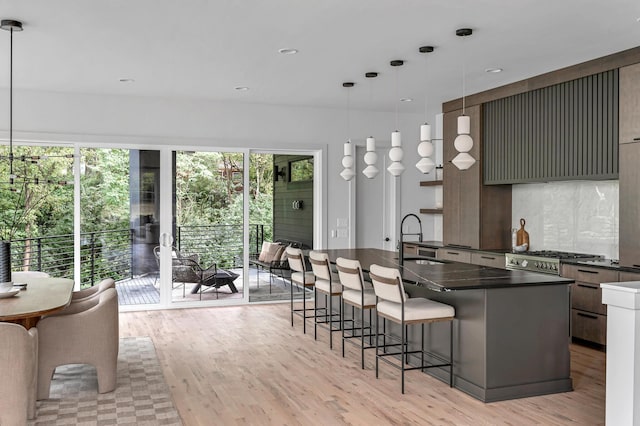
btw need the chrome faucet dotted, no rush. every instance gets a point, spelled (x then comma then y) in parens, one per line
(402, 234)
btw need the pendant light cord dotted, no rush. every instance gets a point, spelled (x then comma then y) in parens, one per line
(464, 67)
(426, 89)
(348, 115)
(397, 100)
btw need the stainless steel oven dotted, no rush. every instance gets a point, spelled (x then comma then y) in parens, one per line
(545, 261)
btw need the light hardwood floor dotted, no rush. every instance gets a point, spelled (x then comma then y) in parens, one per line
(248, 366)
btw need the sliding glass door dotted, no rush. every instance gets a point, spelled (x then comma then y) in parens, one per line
(207, 227)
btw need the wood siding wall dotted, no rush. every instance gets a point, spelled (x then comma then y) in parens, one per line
(566, 131)
(289, 223)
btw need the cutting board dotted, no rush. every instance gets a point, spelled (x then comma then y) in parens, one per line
(522, 236)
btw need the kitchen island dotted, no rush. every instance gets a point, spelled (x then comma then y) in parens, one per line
(512, 331)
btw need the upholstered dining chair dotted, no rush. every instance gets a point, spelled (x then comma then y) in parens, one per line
(359, 294)
(327, 283)
(303, 278)
(94, 291)
(18, 363)
(86, 337)
(393, 304)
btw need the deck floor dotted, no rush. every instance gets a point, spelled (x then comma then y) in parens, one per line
(144, 290)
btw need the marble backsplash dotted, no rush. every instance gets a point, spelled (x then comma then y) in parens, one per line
(574, 216)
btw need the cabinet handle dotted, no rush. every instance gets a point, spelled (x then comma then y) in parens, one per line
(453, 252)
(487, 257)
(587, 271)
(637, 266)
(587, 315)
(587, 286)
(636, 139)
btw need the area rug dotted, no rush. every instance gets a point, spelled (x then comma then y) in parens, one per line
(141, 397)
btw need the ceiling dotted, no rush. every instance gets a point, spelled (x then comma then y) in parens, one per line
(204, 48)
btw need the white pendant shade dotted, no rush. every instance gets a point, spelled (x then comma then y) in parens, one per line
(396, 168)
(425, 132)
(370, 172)
(347, 174)
(396, 153)
(463, 161)
(464, 125)
(425, 149)
(426, 164)
(463, 143)
(396, 138)
(347, 162)
(370, 158)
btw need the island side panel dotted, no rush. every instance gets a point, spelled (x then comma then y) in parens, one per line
(469, 344)
(528, 337)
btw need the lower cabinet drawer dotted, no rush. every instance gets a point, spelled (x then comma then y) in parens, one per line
(455, 255)
(587, 297)
(491, 260)
(589, 326)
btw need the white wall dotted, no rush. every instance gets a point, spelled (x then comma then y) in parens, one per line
(67, 117)
(574, 216)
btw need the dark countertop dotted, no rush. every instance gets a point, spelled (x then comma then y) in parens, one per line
(604, 264)
(443, 275)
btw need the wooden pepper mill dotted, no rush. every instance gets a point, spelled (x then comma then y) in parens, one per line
(522, 236)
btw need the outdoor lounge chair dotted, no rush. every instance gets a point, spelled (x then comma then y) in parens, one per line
(187, 269)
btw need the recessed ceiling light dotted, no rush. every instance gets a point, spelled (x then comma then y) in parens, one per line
(126, 80)
(493, 70)
(406, 100)
(241, 88)
(288, 51)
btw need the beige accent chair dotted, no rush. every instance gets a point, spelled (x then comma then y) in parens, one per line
(86, 337)
(394, 305)
(359, 294)
(91, 292)
(303, 278)
(328, 284)
(18, 362)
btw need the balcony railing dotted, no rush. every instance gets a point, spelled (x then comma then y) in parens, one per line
(115, 253)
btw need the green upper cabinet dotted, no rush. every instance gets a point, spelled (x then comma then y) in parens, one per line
(560, 132)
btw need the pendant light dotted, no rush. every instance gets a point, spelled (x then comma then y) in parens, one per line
(370, 157)
(12, 26)
(463, 142)
(425, 147)
(347, 161)
(395, 153)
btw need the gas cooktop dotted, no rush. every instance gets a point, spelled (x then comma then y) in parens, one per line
(545, 261)
(562, 255)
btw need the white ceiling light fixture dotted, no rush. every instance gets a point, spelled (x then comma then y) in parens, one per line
(463, 142)
(425, 147)
(347, 161)
(493, 70)
(370, 157)
(396, 153)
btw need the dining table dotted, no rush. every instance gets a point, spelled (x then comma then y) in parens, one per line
(38, 297)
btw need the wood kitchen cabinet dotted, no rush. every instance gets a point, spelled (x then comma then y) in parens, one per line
(456, 255)
(629, 109)
(629, 196)
(474, 215)
(488, 259)
(588, 314)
